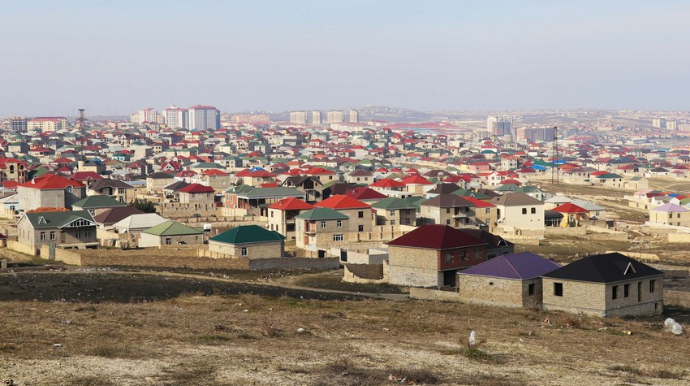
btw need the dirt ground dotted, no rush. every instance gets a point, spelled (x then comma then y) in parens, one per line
(126, 329)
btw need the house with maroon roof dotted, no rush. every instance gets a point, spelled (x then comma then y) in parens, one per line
(431, 255)
(49, 190)
(197, 194)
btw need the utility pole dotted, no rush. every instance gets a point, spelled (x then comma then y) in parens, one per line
(555, 157)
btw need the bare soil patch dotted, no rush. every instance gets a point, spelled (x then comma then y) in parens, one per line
(181, 337)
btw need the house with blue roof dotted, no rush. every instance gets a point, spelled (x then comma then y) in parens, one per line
(509, 281)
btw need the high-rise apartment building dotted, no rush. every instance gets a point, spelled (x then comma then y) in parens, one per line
(354, 116)
(659, 122)
(316, 117)
(204, 118)
(536, 134)
(176, 117)
(500, 125)
(146, 115)
(298, 117)
(18, 124)
(671, 124)
(46, 124)
(335, 116)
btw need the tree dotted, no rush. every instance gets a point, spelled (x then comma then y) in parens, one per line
(145, 206)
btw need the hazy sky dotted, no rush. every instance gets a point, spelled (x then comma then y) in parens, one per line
(115, 57)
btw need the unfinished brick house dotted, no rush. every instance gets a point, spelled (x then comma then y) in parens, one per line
(508, 281)
(431, 255)
(611, 284)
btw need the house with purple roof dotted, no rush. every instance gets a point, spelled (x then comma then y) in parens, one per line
(670, 214)
(508, 280)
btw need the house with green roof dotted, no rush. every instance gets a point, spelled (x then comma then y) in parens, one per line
(66, 229)
(248, 241)
(395, 211)
(319, 229)
(97, 204)
(170, 233)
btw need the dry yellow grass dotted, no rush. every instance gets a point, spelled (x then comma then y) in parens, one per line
(248, 339)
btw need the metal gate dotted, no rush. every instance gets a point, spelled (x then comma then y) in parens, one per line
(51, 251)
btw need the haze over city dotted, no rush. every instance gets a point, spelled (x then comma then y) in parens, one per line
(112, 58)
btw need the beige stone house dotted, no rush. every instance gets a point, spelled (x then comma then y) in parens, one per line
(51, 191)
(281, 215)
(519, 211)
(360, 177)
(66, 229)
(509, 281)
(448, 209)
(605, 285)
(197, 194)
(250, 242)
(116, 189)
(670, 214)
(321, 229)
(395, 211)
(170, 233)
(361, 215)
(155, 182)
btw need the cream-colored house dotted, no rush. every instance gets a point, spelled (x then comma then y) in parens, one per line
(248, 241)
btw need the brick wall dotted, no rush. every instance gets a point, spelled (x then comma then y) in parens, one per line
(430, 294)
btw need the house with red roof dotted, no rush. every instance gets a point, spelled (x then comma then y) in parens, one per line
(417, 184)
(87, 178)
(49, 190)
(387, 184)
(360, 214)
(13, 169)
(573, 215)
(366, 195)
(197, 194)
(431, 256)
(281, 215)
(217, 179)
(254, 177)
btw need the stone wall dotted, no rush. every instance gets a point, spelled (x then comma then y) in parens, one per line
(293, 263)
(176, 209)
(364, 273)
(431, 294)
(679, 237)
(574, 231)
(21, 248)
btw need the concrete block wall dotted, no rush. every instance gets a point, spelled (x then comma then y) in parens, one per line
(498, 291)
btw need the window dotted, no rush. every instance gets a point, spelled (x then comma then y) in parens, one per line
(77, 234)
(360, 228)
(360, 214)
(477, 254)
(392, 222)
(447, 222)
(449, 257)
(533, 210)
(463, 255)
(530, 289)
(392, 212)
(626, 290)
(558, 289)
(652, 286)
(43, 236)
(121, 190)
(86, 233)
(488, 211)
(244, 251)
(338, 237)
(339, 223)
(323, 224)
(524, 210)
(168, 240)
(639, 291)
(52, 235)
(614, 292)
(447, 210)
(272, 213)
